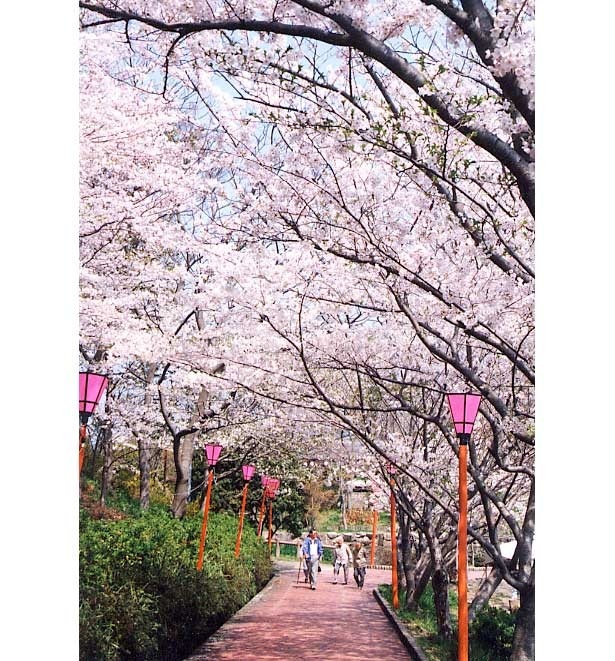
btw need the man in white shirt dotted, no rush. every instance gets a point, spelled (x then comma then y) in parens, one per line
(312, 552)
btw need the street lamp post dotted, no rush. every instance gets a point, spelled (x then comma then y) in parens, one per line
(464, 408)
(372, 556)
(264, 481)
(271, 496)
(91, 388)
(391, 470)
(213, 454)
(273, 484)
(248, 472)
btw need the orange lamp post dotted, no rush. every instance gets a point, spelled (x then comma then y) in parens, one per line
(271, 491)
(394, 586)
(271, 497)
(91, 388)
(264, 481)
(248, 472)
(213, 454)
(372, 556)
(464, 408)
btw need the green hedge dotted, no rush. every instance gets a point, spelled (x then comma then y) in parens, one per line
(141, 596)
(493, 630)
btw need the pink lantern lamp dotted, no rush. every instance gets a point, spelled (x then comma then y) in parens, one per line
(464, 408)
(91, 388)
(213, 454)
(248, 472)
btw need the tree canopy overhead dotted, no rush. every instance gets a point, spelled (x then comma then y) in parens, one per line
(298, 215)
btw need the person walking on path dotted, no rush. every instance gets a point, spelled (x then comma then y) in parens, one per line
(302, 563)
(341, 560)
(312, 552)
(359, 564)
(287, 622)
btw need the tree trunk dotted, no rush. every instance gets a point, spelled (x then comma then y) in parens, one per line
(144, 466)
(344, 506)
(144, 449)
(486, 589)
(439, 582)
(422, 574)
(96, 448)
(105, 482)
(405, 572)
(183, 449)
(523, 647)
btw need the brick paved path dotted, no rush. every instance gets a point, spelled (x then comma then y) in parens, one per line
(288, 621)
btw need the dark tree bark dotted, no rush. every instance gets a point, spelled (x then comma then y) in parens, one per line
(144, 447)
(439, 583)
(406, 570)
(524, 637)
(144, 473)
(485, 591)
(183, 450)
(96, 451)
(422, 574)
(107, 471)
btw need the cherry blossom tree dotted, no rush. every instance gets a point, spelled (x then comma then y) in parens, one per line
(344, 193)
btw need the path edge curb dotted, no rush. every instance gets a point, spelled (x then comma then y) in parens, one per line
(409, 643)
(215, 635)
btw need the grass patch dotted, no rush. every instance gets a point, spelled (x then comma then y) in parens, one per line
(332, 520)
(490, 635)
(423, 625)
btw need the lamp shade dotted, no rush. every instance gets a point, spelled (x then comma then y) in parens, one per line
(464, 408)
(213, 453)
(248, 472)
(264, 480)
(272, 487)
(391, 469)
(91, 387)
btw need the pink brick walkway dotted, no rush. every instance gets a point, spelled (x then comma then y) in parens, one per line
(289, 621)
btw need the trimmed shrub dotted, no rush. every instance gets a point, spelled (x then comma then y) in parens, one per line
(141, 596)
(492, 631)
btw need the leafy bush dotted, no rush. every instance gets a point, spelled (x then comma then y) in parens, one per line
(490, 634)
(492, 630)
(141, 596)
